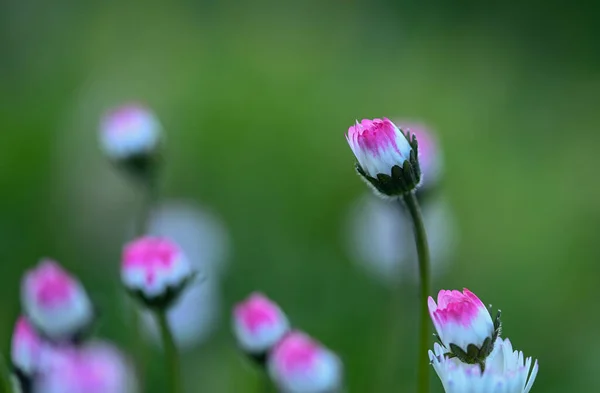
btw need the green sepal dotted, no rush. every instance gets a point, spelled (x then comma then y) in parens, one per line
(475, 355)
(167, 298)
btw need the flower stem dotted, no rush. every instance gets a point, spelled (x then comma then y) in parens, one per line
(148, 196)
(171, 355)
(412, 204)
(6, 379)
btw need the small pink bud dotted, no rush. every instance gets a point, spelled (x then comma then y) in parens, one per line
(258, 324)
(55, 302)
(460, 318)
(129, 131)
(95, 368)
(156, 269)
(26, 347)
(298, 364)
(378, 146)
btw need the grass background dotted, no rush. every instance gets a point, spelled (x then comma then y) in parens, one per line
(255, 99)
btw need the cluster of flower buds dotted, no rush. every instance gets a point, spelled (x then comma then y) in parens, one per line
(470, 355)
(50, 352)
(295, 362)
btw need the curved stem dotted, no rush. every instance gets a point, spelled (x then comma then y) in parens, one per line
(412, 204)
(171, 355)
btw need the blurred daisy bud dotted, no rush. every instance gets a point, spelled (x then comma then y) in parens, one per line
(25, 352)
(155, 270)
(94, 368)
(56, 303)
(204, 239)
(464, 325)
(430, 157)
(387, 157)
(258, 324)
(130, 135)
(378, 237)
(298, 364)
(507, 371)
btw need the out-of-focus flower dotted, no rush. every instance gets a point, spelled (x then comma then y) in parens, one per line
(464, 325)
(379, 237)
(298, 364)
(130, 131)
(156, 270)
(430, 155)
(506, 371)
(258, 324)
(26, 348)
(205, 241)
(94, 368)
(387, 158)
(55, 302)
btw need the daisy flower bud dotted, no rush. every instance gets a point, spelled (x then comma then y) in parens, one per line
(258, 324)
(25, 352)
(387, 157)
(130, 135)
(507, 371)
(464, 325)
(95, 368)
(155, 270)
(298, 364)
(55, 302)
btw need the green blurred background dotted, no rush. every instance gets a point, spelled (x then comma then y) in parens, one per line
(255, 99)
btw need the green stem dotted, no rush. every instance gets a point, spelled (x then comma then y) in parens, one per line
(170, 349)
(149, 196)
(6, 378)
(412, 204)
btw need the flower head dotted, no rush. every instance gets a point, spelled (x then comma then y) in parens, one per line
(25, 348)
(298, 364)
(507, 371)
(386, 157)
(464, 325)
(95, 368)
(55, 302)
(156, 270)
(259, 324)
(129, 131)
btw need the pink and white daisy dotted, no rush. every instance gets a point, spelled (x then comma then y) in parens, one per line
(378, 145)
(55, 302)
(129, 131)
(299, 364)
(506, 371)
(26, 348)
(258, 324)
(460, 318)
(94, 368)
(155, 268)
